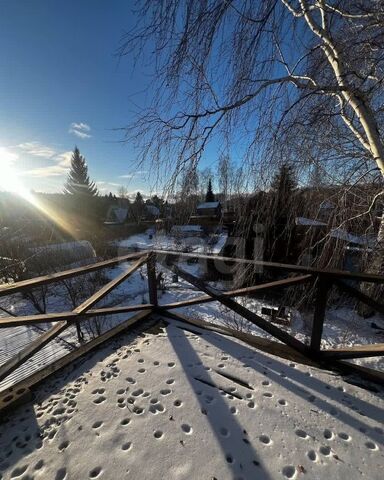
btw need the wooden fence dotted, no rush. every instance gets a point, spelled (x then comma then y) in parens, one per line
(321, 280)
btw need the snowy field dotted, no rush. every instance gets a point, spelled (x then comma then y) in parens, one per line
(184, 403)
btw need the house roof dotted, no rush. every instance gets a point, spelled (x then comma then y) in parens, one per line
(309, 222)
(327, 205)
(187, 228)
(341, 234)
(208, 205)
(116, 215)
(152, 210)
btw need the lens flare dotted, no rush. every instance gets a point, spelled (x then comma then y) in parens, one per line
(10, 182)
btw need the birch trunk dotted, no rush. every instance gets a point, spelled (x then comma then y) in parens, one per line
(367, 132)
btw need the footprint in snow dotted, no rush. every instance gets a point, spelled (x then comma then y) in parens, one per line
(187, 429)
(95, 472)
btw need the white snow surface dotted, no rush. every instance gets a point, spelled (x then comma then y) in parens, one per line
(187, 403)
(341, 327)
(309, 221)
(151, 240)
(208, 205)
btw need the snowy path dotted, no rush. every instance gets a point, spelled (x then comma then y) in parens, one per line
(187, 403)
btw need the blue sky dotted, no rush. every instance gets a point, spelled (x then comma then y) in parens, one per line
(62, 85)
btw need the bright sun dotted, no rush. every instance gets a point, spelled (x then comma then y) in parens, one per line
(10, 182)
(9, 179)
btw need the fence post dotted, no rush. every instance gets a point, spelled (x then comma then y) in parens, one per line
(323, 287)
(80, 336)
(152, 282)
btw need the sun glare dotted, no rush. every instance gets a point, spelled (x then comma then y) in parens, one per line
(10, 182)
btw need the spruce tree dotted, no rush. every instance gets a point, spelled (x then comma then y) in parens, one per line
(78, 183)
(138, 207)
(209, 197)
(280, 224)
(139, 199)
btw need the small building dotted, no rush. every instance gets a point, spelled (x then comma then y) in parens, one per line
(325, 210)
(116, 215)
(151, 212)
(212, 209)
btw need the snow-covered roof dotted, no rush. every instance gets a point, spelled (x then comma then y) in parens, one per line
(341, 234)
(206, 205)
(121, 213)
(116, 215)
(187, 228)
(309, 222)
(153, 210)
(327, 205)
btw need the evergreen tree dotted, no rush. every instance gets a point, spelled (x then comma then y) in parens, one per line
(209, 197)
(78, 182)
(139, 199)
(284, 182)
(138, 207)
(157, 201)
(279, 247)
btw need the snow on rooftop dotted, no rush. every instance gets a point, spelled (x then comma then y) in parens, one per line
(310, 222)
(327, 205)
(187, 228)
(337, 233)
(187, 403)
(341, 234)
(119, 213)
(208, 205)
(153, 210)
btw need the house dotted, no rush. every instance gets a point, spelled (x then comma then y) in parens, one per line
(312, 237)
(212, 209)
(116, 215)
(325, 210)
(151, 212)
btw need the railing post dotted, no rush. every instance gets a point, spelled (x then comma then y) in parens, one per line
(80, 336)
(152, 281)
(323, 287)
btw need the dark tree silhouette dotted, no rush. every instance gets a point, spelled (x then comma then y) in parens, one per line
(78, 182)
(138, 207)
(139, 199)
(279, 228)
(209, 197)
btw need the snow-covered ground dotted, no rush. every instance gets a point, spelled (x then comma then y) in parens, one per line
(212, 244)
(342, 326)
(186, 403)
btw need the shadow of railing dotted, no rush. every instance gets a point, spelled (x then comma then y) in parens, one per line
(309, 388)
(230, 435)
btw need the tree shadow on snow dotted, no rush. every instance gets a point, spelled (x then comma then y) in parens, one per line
(306, 386)
(238, 452)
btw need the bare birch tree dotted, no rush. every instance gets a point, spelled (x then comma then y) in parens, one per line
(259, 73)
